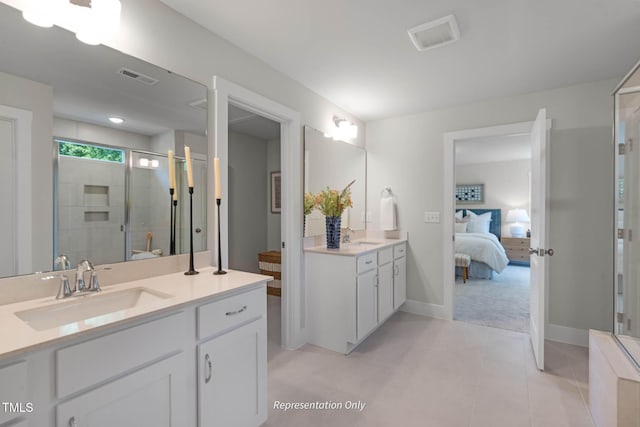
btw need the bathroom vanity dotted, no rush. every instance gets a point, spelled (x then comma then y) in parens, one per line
(169, 350)
(353, 290)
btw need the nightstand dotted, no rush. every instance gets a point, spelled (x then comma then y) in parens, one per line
(517, 249)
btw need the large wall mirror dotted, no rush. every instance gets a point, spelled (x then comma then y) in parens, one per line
(627, 206)
(334, 164)
(74, 182)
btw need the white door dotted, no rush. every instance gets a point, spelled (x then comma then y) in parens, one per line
(367, 303)
(385, 291)
(538, 236)
(15, 176)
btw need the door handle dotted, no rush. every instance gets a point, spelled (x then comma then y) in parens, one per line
(541, 252)
(72, 422)
(209, 367)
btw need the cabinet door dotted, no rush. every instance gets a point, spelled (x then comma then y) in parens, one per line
(385, 291)
(232, 374)
(151, 397)
(399, 282)
(367, 303)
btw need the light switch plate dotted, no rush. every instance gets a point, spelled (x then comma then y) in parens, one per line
(432, 217)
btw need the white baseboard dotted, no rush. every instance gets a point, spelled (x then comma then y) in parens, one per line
(424, 309)
(567, 335)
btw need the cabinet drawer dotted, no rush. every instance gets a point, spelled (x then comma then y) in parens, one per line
(229, 312)
(514, 242)
(518, 255)
(367, 262)
(399, 250)
(13, 388)
(385, 256)
(91, 362)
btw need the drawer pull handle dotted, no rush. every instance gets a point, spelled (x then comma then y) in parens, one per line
(396, 269)
(233, 313)
(72, 422)
(209, 366)
(368, 262)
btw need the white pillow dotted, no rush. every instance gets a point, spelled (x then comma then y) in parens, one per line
(478, 226)
(461, 227)
(483, 217)
(458, 215)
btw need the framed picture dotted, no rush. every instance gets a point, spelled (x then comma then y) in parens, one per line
(276, 194)
(470, 193)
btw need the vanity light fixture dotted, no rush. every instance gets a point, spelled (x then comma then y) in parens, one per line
(43, 13)
(93, 21)
(344, 129)
(116, 120)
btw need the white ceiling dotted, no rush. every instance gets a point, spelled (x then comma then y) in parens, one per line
(358, 55)
(493, 149)
(242, 121)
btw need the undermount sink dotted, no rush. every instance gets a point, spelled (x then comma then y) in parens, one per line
(92, 309)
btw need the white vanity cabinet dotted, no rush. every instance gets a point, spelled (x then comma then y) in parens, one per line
(399, 275)
(232, 367)
(154, 396)
(351, 294)
(202, 363)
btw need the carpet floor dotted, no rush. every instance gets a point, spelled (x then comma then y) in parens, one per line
(500, 303)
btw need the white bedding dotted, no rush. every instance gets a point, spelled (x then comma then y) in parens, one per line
(483, 247)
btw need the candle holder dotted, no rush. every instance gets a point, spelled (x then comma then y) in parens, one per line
(219, 270)
(172, 229)
(192, 270)
(175, 220)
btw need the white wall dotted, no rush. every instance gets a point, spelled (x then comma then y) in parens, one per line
(247, 199)
(37, 98)
(407, 153)
(506, 186)
(273, 219)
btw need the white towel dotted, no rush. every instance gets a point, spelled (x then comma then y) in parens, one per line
(387, 213)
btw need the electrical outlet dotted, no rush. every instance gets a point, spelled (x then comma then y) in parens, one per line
(432, 217)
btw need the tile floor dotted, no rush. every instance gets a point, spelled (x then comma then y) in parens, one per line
(419, 371)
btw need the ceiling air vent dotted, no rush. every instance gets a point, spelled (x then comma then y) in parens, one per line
(435, 33)
(142, 78)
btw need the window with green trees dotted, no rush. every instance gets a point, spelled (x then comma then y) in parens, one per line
(86, 151)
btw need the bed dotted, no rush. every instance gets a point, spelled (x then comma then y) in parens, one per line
(486, 251)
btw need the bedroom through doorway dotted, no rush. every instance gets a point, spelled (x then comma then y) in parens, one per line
(492, 191)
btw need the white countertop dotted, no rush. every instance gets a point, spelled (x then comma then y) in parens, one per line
(356, 247)
(16, 336)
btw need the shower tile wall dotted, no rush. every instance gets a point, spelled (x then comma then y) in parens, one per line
(90, 210)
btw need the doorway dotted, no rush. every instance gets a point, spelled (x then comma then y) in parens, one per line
(538, 303)
(494, 289)
(255, 205)
(225, 93)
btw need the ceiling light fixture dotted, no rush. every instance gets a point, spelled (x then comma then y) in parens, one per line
(344, 129)
(116, 120)
(94, 22)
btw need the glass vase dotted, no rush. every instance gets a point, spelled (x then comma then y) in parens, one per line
(333, 231)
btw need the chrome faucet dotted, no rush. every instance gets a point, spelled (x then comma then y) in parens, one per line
(64, 290)
(83, 267)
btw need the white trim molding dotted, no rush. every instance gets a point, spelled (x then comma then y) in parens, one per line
(567, 335)
(425, 309)
(21, 193)
(293, 291)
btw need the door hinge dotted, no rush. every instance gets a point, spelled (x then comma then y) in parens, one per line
(620, 233)
(620, 317)
(621, 149)
(282, 245)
